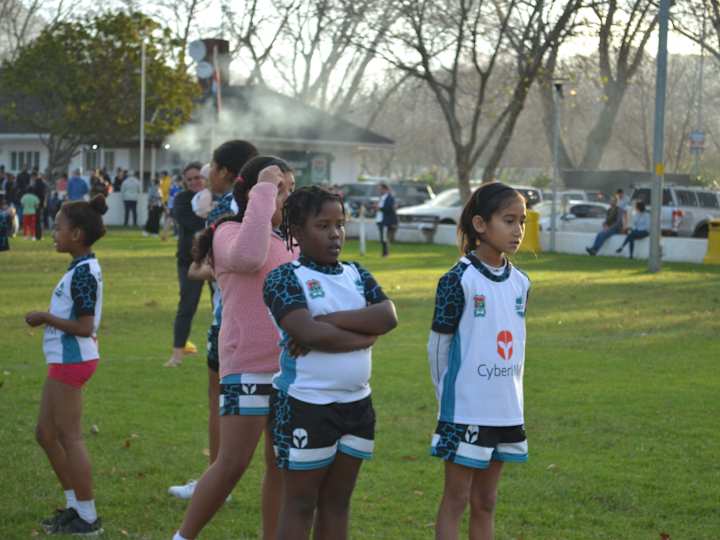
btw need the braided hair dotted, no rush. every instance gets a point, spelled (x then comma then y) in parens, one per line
(303, 202)
(248, 177)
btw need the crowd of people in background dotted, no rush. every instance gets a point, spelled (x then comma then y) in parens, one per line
(29, 200)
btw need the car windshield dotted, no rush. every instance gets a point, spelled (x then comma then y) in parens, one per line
(409, 190)
(361, 190)
(596, 196)
(449, 197)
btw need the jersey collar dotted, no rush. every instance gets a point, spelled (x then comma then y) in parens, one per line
(78, 260)
(336, 268)
(478, 264)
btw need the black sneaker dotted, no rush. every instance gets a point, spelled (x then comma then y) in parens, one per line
(60, 517)
(79, 527)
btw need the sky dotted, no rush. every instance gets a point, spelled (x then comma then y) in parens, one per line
(208, 18)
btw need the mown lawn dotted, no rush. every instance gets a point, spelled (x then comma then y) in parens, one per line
(621, 388)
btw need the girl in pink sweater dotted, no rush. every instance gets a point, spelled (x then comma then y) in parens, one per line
(243, 249)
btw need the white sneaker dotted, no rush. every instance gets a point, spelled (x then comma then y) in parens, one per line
(186, 491)
(183, 492)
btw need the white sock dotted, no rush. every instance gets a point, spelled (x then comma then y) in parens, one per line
(178, 536)
(70, 500)
(86, 510)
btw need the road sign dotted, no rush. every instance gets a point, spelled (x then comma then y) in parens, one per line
(696, 140)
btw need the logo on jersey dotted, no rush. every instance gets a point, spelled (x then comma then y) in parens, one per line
(479, 305)
(315, 289)
(249, 388)
(59, 291)
(520, 306)
(505, 344)
(471, 434)
(360, 287)
(300, 438)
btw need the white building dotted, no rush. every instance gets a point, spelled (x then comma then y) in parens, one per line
(322, 148)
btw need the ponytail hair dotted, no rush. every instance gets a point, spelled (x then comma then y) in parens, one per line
(484, 202)
(87, 216)
(247, 178)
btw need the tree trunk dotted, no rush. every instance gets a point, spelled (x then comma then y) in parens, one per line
(601, 132)
(60, 153)
(565, 162)
(464, 169)
(518, 104)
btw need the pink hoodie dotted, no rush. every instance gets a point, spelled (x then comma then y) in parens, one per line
(243, 254)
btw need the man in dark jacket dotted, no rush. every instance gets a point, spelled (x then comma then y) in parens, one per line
(40, 188)
(190, 290)
(386, 217)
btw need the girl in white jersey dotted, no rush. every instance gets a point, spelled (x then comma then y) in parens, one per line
(477, 355)
(329, 313)
(70, 346)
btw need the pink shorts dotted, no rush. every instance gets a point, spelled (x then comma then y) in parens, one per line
(75, 375)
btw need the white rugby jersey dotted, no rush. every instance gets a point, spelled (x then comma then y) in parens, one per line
(321, 377)
(481, 382)
(78, 293)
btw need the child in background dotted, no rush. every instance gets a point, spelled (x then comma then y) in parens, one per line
(30, 203)
(477, 357)
(70, 346)
(7, 218)
(330, 313)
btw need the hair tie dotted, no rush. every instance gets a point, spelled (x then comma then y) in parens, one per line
(213, 227)
(239, 179)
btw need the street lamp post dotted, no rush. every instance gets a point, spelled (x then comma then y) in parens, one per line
(658, 138)
(142, 110)
(557, 101)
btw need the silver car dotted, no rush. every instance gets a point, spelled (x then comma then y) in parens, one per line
(573, 216)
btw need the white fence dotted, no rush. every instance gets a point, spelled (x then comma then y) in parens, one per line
(116, 210)
(673, 249)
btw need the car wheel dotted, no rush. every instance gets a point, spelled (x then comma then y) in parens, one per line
(701, 231)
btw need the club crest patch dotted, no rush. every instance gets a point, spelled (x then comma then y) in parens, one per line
(315, 288)
(479, 305)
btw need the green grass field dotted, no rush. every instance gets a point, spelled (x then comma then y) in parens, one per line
(621, 392)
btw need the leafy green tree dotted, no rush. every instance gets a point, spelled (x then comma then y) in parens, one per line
(79, 83)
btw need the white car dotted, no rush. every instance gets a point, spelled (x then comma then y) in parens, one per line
(445, 208)
(573, 216)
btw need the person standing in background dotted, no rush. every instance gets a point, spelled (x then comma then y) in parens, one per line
(77, 187)
(22, 182)
(386, 218)
(118, 180)
(61, 186)
(188, 223)
(175, 188)
(155, 210)
(40, 188)
(30, 203)
(130, 190)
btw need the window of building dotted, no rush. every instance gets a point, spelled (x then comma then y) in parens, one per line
(20, 159)
(96, 159)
